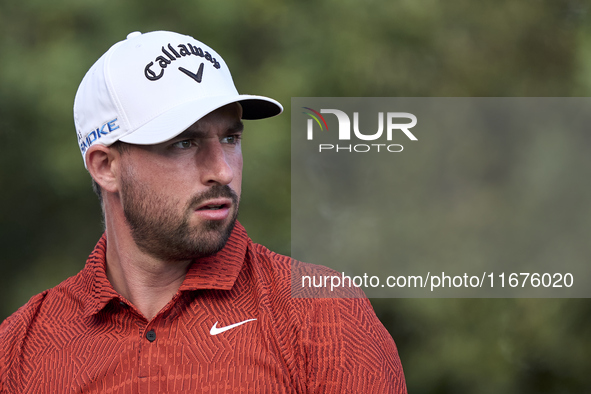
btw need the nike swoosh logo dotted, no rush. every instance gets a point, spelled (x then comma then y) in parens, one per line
(197, 77)
(215, 330)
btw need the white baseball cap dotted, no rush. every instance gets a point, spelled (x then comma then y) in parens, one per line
(151, 87)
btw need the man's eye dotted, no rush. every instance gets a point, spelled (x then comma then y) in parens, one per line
(185, 144)
(231, 139)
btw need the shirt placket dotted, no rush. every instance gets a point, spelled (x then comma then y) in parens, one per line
(152, 348)
(148, 368)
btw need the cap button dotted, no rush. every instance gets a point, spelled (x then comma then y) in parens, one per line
(134, 34)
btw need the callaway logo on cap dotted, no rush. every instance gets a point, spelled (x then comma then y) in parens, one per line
(151, 87)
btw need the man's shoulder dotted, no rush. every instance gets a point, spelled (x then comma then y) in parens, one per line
(16, 322)
(35, 326)
(13, 331)
(308, 289)
(49, 307)
(303, 287)
(335, 325)
(305, 280)
(284, 265)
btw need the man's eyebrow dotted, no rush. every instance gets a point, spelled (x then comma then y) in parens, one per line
(237, 127)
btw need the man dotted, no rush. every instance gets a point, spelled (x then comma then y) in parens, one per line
(175, 297)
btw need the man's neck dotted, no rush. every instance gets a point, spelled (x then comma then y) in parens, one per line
(147, 282)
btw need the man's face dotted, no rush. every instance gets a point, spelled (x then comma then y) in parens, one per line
(180, 198)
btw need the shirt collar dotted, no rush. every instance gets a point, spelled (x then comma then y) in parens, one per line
(218, 271)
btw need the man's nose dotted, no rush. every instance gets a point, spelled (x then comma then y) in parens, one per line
(215, 165)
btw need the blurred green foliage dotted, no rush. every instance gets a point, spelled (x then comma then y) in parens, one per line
(50, 218)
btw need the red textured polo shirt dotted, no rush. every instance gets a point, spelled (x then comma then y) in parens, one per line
(232, 327)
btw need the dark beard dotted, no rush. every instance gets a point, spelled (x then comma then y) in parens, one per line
(160, 231)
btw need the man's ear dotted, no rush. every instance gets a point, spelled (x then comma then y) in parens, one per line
(102, 163)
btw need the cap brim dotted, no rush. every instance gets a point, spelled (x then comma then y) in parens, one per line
(176, 120)
(258, 107)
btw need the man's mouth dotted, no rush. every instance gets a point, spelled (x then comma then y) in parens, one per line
(213, 207)
(215, 204)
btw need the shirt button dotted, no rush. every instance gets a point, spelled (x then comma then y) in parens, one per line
(134, 34)
(151, 335)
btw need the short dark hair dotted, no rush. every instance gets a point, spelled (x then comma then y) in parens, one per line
(121, 147)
